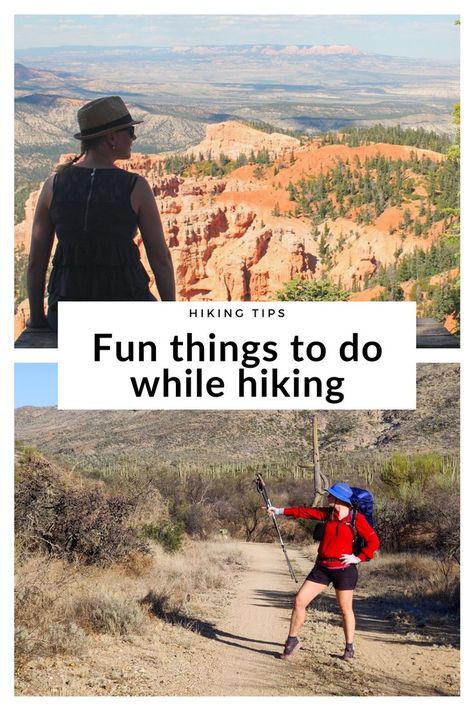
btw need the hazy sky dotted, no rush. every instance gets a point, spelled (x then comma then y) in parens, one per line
(431, 36)
(36, 384)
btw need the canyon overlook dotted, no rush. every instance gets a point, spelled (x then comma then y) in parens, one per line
(239, 236)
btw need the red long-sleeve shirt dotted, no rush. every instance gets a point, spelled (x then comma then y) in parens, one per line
(338, 536)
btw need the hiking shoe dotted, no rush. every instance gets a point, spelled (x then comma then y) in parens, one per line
(348, 654)
(291, 647)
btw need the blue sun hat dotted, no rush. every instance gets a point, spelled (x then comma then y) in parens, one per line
(341, 491)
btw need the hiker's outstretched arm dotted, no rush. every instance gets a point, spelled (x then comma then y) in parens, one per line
(305, 512)
(42, 236)
(151, 230)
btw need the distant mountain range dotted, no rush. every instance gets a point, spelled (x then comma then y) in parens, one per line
(180, 89)
(26, 74)
(241, 49)
(219, 74)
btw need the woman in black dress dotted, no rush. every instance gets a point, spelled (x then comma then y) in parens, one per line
(95, 210)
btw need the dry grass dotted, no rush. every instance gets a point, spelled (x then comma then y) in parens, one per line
(413, 575)
(421, 588)
(108, 613)
(185, 580)
(41, 626)
(418, 576)
(58, 604)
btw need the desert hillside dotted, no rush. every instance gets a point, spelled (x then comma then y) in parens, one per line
(247, 436)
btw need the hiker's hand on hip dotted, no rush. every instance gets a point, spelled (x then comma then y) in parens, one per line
(350, 559)
(274, 511)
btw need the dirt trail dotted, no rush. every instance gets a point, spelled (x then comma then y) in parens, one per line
(256, 624)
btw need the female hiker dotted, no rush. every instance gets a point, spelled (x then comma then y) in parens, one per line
(335, 562)
(95, 208)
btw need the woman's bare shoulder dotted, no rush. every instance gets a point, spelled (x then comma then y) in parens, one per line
(46, 192)
(141, 183)
(49, 182)
(142, 188)
(142, 198)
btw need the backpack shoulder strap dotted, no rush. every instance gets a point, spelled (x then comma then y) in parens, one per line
(352, 522)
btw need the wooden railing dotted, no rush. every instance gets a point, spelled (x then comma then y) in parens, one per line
(429, 334)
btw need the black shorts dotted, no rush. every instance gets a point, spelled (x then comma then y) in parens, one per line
(341, 578)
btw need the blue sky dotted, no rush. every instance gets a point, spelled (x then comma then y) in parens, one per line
(430, 36)
(36, 384)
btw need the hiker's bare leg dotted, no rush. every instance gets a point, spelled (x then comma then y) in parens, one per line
(344, 600)
(307, 592)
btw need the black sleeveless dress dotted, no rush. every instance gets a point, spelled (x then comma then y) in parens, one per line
(96, 258)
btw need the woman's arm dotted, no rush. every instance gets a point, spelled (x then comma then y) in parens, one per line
(149, 223)
(305, 512)
(42, 236)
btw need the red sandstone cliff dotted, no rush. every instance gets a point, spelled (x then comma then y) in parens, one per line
(232, 238)
(233, 138)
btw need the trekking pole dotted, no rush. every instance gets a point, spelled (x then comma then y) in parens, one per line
(262, 490)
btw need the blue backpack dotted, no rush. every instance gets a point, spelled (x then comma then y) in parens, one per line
(362, 502)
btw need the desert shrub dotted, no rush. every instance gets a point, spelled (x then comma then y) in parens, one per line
(240, 509)
(391, 520)
(188, 501)
(200, 569)
(25, 644)
(446, 522)
(206, 503)
(431, 524)
(404, 524)
(409, 475)
(137, 564)
(203, 569)
(172, 592)
(40, 583)
(30, 454)
(161, 605)
(200, 520)
(42, 625)
(442, 584)
(432, 579)
(47, 640)
(295, 492)
(209, 578)
(65, 638)
(21, 264)
(245, 510)
(108, 614)
(166, 533)
(62, 519)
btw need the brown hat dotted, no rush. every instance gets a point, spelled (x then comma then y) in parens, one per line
(102, 116)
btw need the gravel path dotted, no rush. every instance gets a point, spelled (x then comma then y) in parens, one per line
(256, 627)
